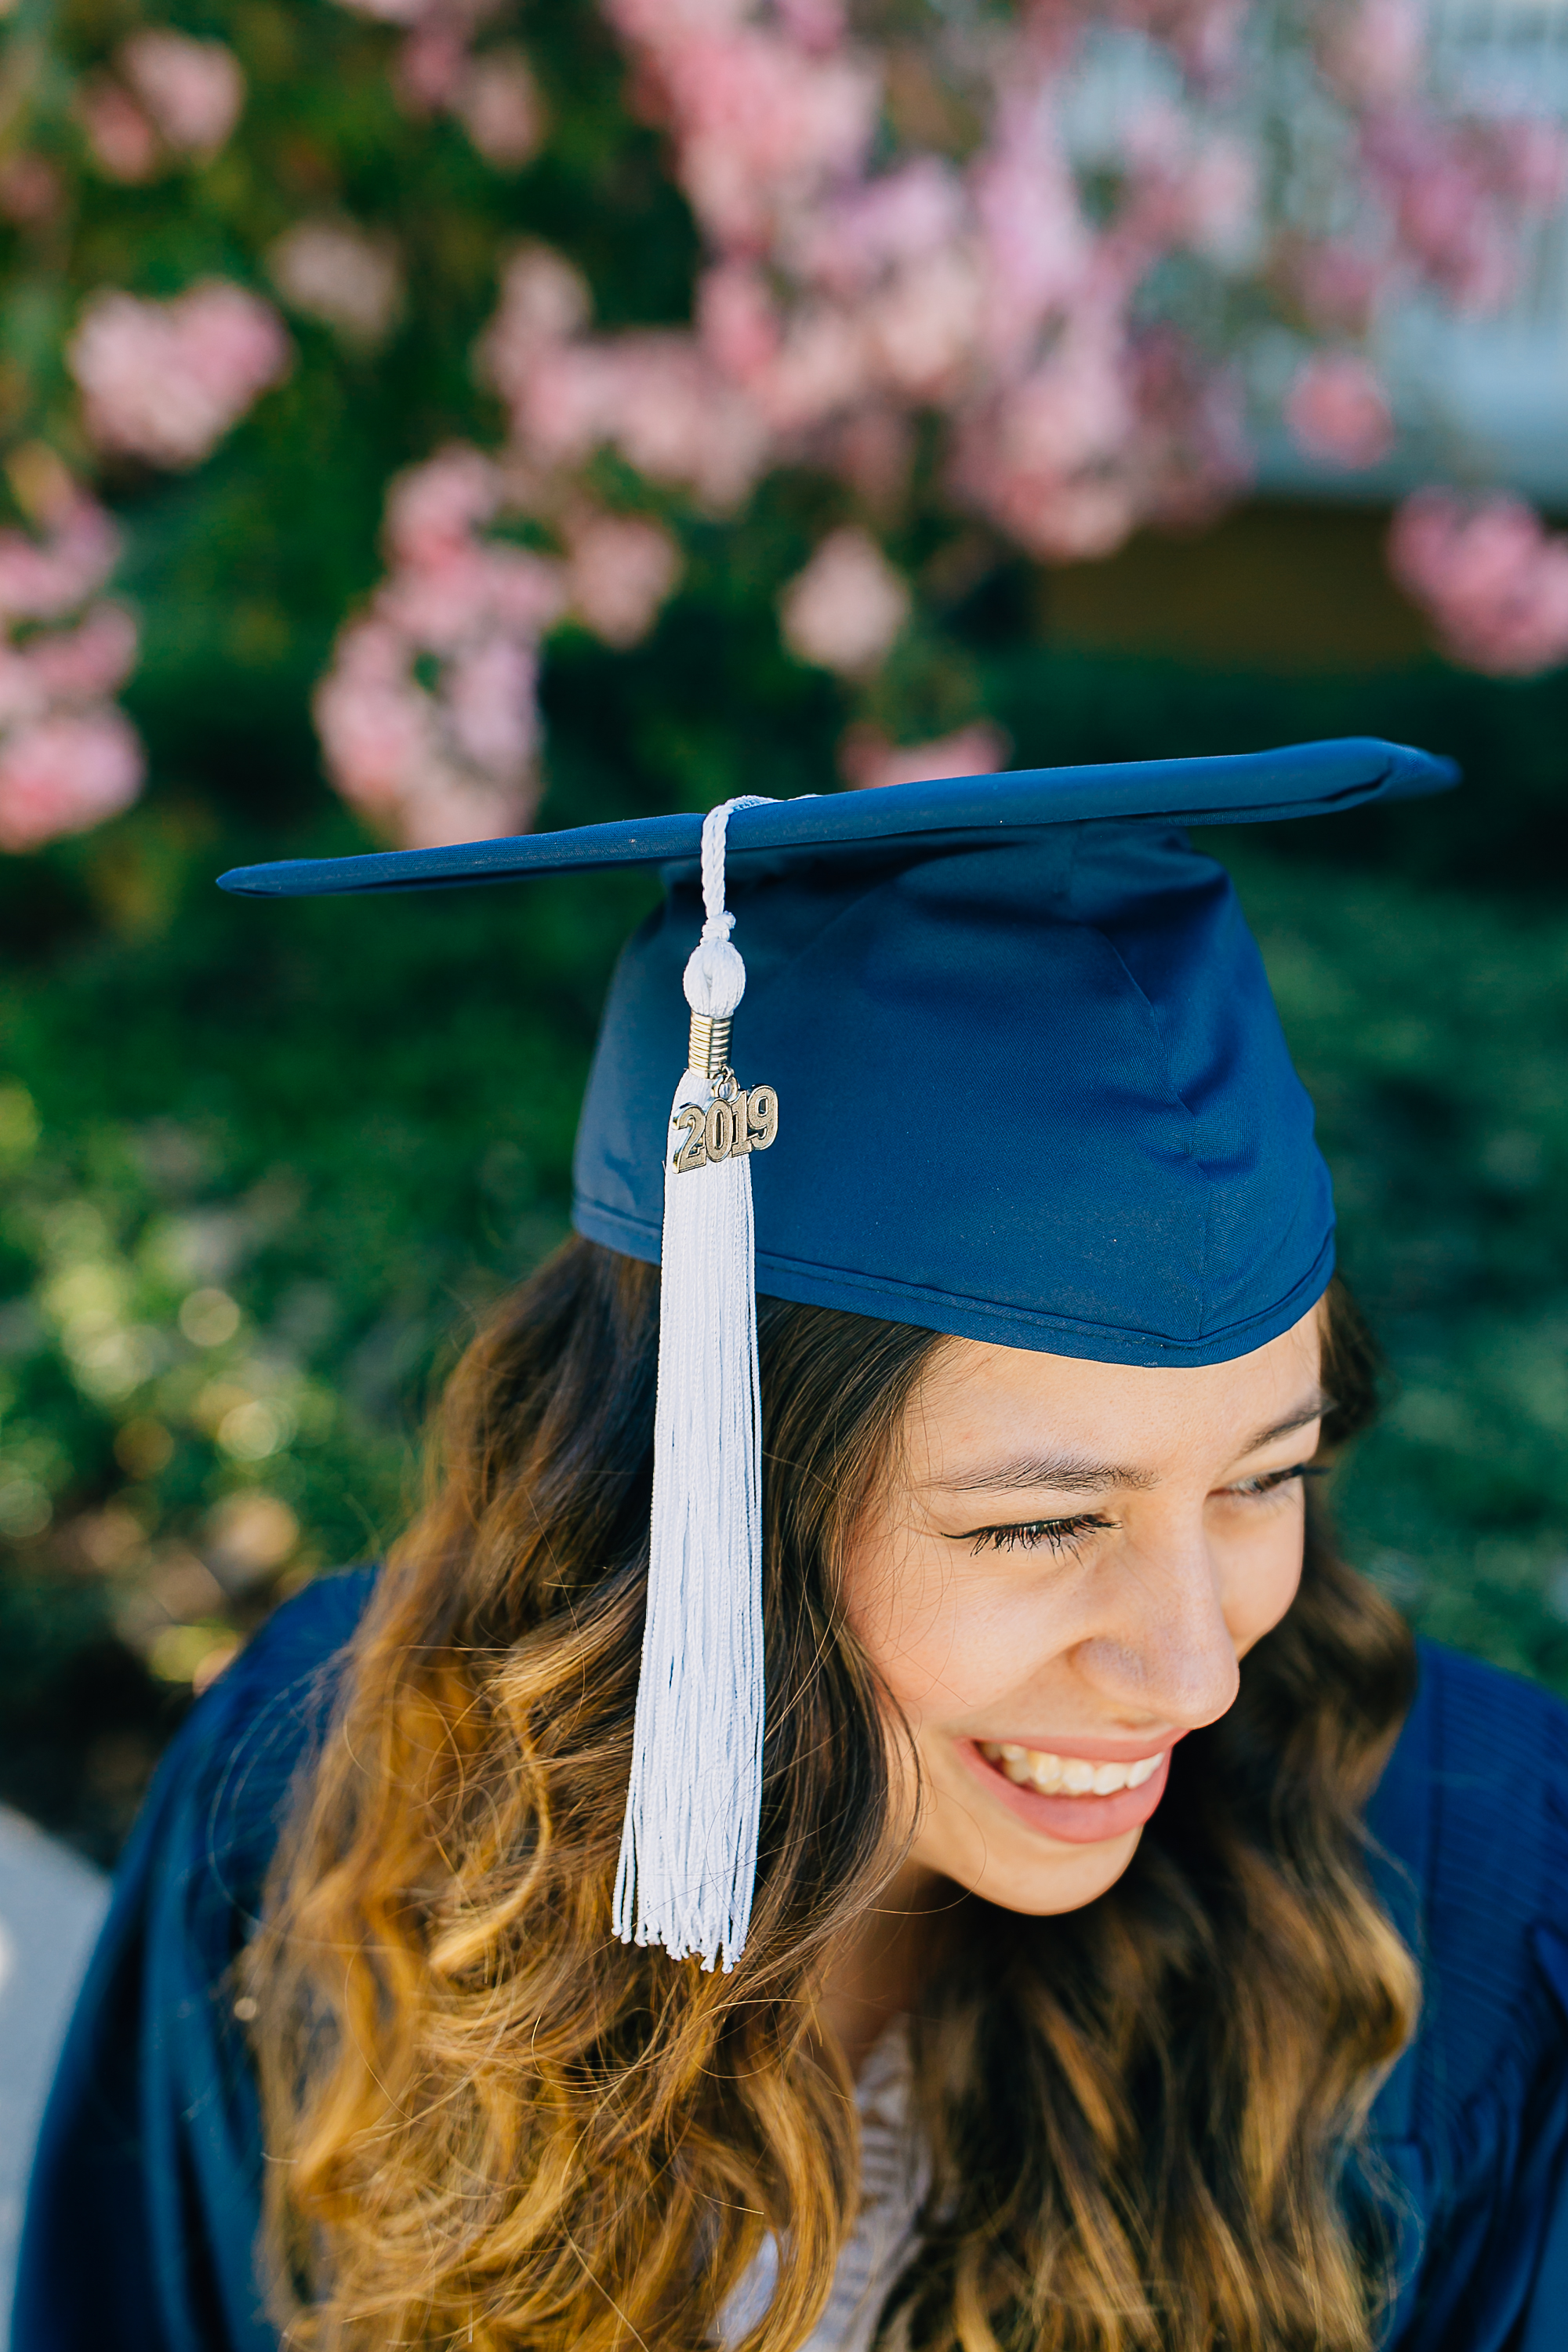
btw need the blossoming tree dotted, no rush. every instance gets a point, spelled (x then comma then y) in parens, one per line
(1004, 282)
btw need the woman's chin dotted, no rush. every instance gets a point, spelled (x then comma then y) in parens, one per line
(1006, 1853)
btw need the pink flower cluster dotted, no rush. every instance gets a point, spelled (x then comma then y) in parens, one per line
(1494, 583)
(493, 94)
(841, 300)
(653, 397)
(457, 759)
(68, 758)
(1338, 410)
(174, 99)
(165, 381)
(1447, 193)
(843, 611)
(332, 270)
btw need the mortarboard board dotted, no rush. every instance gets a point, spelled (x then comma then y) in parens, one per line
(1016, 1076)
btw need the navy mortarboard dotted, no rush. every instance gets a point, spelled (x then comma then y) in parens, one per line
(1008, 1069)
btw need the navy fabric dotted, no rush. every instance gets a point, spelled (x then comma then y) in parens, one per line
(1032, 1088)
(1237, 788)
(144, 2205)
(1034, 1093)
(145, 2202)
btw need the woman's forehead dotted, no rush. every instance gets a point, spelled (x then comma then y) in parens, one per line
(1001, 1417)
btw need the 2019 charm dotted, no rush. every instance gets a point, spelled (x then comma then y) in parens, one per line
(731, 1126)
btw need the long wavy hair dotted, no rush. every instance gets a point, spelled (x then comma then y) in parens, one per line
(491, 2124)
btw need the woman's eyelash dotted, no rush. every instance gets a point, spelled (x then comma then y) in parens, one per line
(1035, 1535)
(1272, 1479)
(1060, 1535)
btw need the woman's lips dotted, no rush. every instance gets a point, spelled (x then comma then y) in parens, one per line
(1077, 1820)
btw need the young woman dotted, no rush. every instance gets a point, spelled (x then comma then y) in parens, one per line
(1145, 1948)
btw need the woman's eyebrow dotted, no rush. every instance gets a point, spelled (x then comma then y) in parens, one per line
(1074, 1474)
(1065, 1474)
(1313, 1408)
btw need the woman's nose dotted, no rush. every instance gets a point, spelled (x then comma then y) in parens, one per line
(1164, 1651)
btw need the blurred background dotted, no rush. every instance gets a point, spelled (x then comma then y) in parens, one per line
(425, 418)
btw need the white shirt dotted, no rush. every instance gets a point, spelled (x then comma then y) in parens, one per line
(894, 2176)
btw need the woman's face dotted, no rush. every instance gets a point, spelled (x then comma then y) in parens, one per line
(1057, 1585)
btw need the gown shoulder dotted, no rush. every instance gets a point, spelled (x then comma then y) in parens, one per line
(150, 2151)
(1470, 1829)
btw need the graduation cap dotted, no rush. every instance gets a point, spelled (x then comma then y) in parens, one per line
(1008, 1069)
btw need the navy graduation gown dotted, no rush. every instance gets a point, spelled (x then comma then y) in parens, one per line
(144, 2207)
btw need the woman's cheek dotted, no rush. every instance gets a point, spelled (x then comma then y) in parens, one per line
(1262, 1578)
(948, 1638)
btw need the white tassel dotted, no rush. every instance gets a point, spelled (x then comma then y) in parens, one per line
(688, 1848)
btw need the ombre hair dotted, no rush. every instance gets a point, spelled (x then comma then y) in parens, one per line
(489, 2124)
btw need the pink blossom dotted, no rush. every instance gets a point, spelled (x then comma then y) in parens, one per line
(1190, 453)
(445, 763)
(433, 509)
(194, 90)
(120, 141)
(814, 24)
(1436, 182)
(564, 397)
(1525, 161)
(64, 775)
(30, 189)
(906, 214)
(331, 271)
(652, 21)
(1371, 50)
(476, 588)
(844, 609)
(1203, 34)
(824, 365)
(88, 663)
(446, 806)
(431, 65)
(620, 569)
(760, 125)
(1336, 284)
(1492, 579)
(393, 12)
(498, 105)
(1045, 460)
(867, 760)
(376, 725)
(652, 395)
(737, 321)
(543, 303)
(165, 381)
(1337, 410)
(924, 325)
(43, 581)
(872, 451)
(66, 668)
(489, 691)
(22, 693)
(1217, 198)
(676, 422)
(1035, 239)
(447, 584)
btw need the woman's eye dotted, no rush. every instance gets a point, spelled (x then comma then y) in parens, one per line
(1273, 1480)
(1038, 1535)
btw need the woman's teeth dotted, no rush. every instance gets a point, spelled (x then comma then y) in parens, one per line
(1067, 1776)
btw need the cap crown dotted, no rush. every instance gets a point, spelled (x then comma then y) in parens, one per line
(1032, 1091)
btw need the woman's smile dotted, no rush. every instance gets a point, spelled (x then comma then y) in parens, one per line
(1067, 1795)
